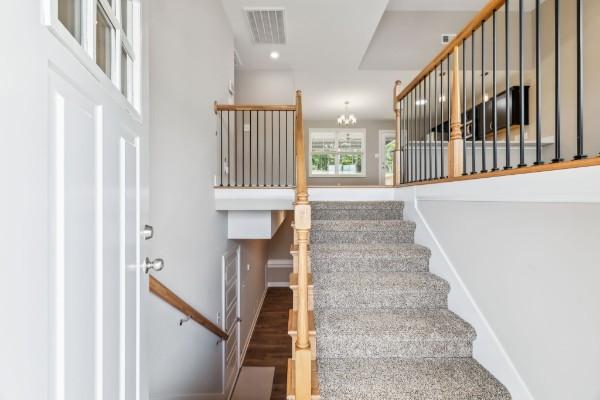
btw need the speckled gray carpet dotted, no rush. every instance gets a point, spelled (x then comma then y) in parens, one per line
(384, 330)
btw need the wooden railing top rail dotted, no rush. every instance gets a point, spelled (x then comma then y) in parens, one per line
(166, 294)
(481, 16)
(255, 107)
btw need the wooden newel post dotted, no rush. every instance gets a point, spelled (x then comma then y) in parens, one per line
(302, 222)
(455, 144)
(301, 184)
(398, 148)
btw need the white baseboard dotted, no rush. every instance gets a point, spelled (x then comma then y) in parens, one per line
(251, 330)
(280, 263)
(278, 284)
(487, 348)
(193, 396)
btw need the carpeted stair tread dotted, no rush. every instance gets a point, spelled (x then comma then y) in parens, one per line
(361, 225)
(435, 324)
(352, 257)
(362, 231)
(357, 205)
(407, 379)
(379, 290)
(377, 210)
(393, 333)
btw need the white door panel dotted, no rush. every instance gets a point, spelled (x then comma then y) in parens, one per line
(231, 314)
(77, 251)
(129, 270)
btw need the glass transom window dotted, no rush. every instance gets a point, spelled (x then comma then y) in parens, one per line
(337, 152)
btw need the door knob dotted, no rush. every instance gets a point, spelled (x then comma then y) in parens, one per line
(157, 264)
(148, 232)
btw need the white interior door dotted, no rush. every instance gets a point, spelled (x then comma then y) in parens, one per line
(387, 143)
(231, 315)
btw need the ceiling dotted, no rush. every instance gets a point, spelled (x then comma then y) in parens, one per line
(336, 52)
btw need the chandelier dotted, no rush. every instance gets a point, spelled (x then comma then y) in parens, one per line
(346, 119)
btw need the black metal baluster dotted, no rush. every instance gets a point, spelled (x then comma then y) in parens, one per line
(243, 148)
(286, 148)
(264, 148)
(414, 136)
(420, 120)
(508, 94)
(430, 174)
(435, 103)
(557, 91)
(538, 88)
(473, 105)
(272, 148)
(257, 151)
(495, 94)
(483, 102)
(407, 129)
(521, 88)
(294, 148)
(228, 148)
(235, 145)
(449, 111)
(464, 104)
(279, 148)
(442, 122)
(579, 154)
(250, 149)
(221, 145)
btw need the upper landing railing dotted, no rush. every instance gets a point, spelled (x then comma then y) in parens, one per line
(256, 145)
(487, 104)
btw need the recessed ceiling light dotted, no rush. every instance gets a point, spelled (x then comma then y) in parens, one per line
(421, 102)
(274, 55)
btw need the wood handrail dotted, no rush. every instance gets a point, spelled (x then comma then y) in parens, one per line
(254, 107)
(167, 295)
(481, 16)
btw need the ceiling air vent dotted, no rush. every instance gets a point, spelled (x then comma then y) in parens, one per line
(266, 25)
(447, 37)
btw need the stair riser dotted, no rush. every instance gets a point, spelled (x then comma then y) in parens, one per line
(382, 215)
(373, 264)
(390, 236)
(360, 299)
(386, 347)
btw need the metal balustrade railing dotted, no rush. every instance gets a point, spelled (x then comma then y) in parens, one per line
(469, 112)
(256, 145)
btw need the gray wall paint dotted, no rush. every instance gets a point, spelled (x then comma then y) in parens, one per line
(279, 245)
(372, 127)
(191, 63)
(532, 268)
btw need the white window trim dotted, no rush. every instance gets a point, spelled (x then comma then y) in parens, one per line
(85, 52)
(363, 173)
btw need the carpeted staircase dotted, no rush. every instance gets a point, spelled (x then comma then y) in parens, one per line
(383, 328)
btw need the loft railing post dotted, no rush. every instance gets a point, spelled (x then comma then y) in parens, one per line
(302, 222)
(301, 184)
(398, 147)
(455, 145)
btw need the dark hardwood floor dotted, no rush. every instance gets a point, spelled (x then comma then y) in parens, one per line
(270, 345)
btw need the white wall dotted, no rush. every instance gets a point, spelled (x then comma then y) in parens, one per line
(191, 64)
(265, 87)
(522, 257)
